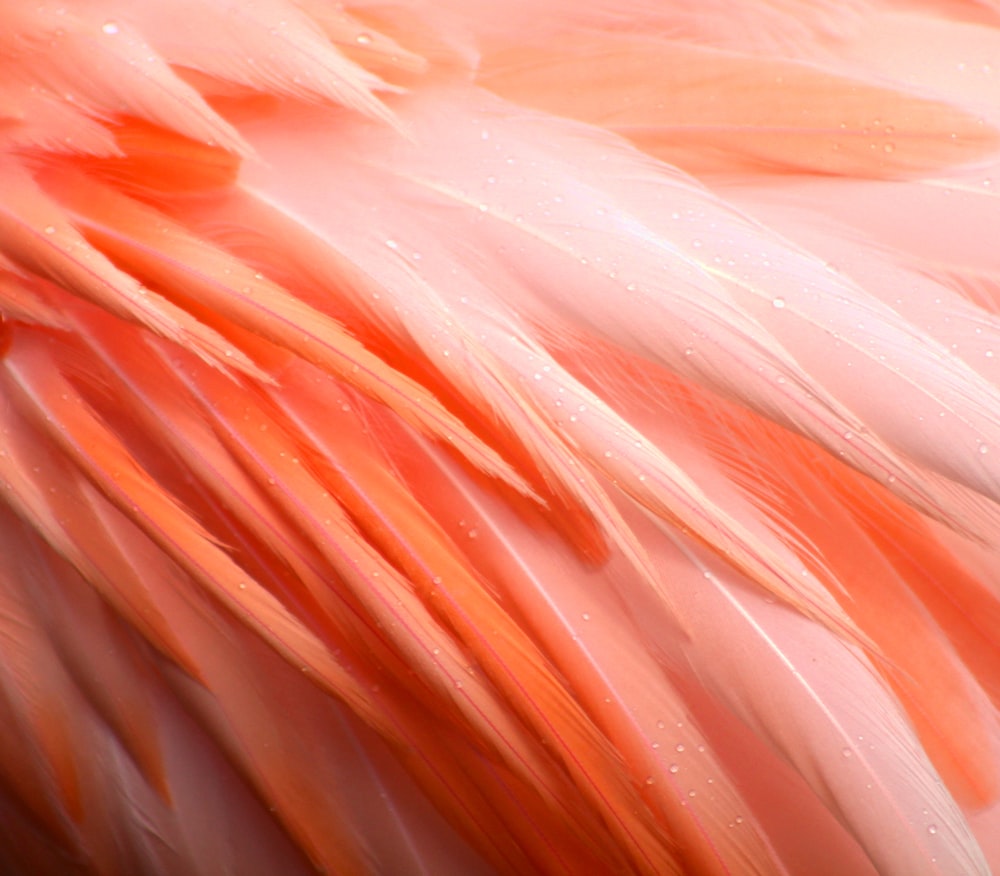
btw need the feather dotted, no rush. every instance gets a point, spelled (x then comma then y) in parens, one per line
(724, 113)
(269, 46)
(101, 68)
(499, 437)
(848, 752)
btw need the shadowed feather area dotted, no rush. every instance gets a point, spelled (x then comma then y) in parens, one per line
(500, 437)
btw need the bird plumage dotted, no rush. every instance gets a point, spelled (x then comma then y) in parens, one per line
(499, 437)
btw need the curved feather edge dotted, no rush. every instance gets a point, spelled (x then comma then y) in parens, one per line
(849, 740)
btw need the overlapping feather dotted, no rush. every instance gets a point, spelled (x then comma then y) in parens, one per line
(375, 444)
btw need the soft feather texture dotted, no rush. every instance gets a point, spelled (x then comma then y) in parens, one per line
(499, 437)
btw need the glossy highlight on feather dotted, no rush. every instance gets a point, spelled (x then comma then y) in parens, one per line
(500, 437)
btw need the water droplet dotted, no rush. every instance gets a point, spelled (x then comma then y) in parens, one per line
(650, 780)
(364, 38)
(674, 768)
(680, 747)
(585, 616)
(932, 829)
(846, 752)
(50, 229)
(110, 28)
(889, 147)
(778, 303)
(984, 449)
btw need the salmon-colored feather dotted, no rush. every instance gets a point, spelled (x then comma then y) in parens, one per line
(480, 437)
(734, 111)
